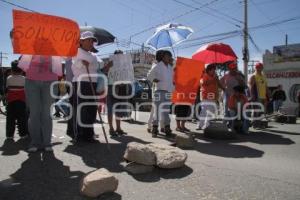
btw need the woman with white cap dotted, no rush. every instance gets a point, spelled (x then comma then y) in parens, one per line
(84, 67)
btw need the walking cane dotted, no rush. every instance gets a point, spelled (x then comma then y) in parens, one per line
(94, 94)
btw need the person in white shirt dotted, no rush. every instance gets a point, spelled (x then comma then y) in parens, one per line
(162, 75)
(16, 104)
(84, 68)
(158, 58)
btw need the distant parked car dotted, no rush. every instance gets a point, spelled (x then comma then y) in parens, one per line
(143, 94)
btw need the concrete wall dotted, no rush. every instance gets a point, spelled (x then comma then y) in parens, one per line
(286, 74)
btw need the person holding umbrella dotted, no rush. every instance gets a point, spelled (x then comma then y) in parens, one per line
(158, 57)
(162, 75)
(209, 89)
(80, 126)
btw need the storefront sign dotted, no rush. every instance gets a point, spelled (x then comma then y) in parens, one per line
(283, 74)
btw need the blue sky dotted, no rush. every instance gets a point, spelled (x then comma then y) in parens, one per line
(124, 18)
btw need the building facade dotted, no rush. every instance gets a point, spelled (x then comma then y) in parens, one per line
(282, 67)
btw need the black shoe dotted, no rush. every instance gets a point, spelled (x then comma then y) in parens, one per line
(154, 131)
(168, 131)
(121, 132)
(112, 133)
(162, 130)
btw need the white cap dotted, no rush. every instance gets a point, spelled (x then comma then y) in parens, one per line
(87, 35)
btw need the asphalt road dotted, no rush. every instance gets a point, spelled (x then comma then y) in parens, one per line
(263, 165)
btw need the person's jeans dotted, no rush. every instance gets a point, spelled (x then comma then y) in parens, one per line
(39, 100)
(277, 104)
(162, 106)
(151, 119)
(246, 123)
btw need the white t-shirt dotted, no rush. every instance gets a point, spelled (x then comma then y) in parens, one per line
(164, 74)
(15, 81)
(79, 69)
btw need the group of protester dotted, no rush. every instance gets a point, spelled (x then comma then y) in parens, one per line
(36, 89)
(232, 87)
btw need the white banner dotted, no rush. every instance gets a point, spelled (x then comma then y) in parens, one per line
(122, 69)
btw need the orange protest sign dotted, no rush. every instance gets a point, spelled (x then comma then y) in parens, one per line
(40, 34)
(187, 76)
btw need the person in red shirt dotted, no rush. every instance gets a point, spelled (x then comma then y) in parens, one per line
(236, 105)
(16, 107)
(209, 90)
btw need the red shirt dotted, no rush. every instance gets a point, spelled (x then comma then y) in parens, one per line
(209, 87)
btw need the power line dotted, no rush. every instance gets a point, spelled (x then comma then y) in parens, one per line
(208, 13)
(234, 33)
(207, 41)
(268, 18)
(275, 23)
(254, 44)
(221, 13)
(172, 19)
(19, 6)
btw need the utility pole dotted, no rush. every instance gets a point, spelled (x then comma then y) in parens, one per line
(245, 48)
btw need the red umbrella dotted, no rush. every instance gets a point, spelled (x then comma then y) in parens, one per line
(215, 53)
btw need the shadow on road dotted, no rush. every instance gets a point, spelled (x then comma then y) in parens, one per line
(42, 176)
(225, 149)
(97, 155)
(263, 137)
(11, 147)
(159, 174)
(258, 137)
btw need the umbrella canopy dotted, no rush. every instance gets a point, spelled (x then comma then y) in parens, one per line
(102, 35)
(215, 53)
(169, 35)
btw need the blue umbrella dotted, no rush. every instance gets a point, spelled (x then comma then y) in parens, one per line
(169, 35)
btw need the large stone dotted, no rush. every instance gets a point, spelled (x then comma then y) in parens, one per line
(98, 182)
(168, 157)
(140, 154)
(184, 141)
(135, 168)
